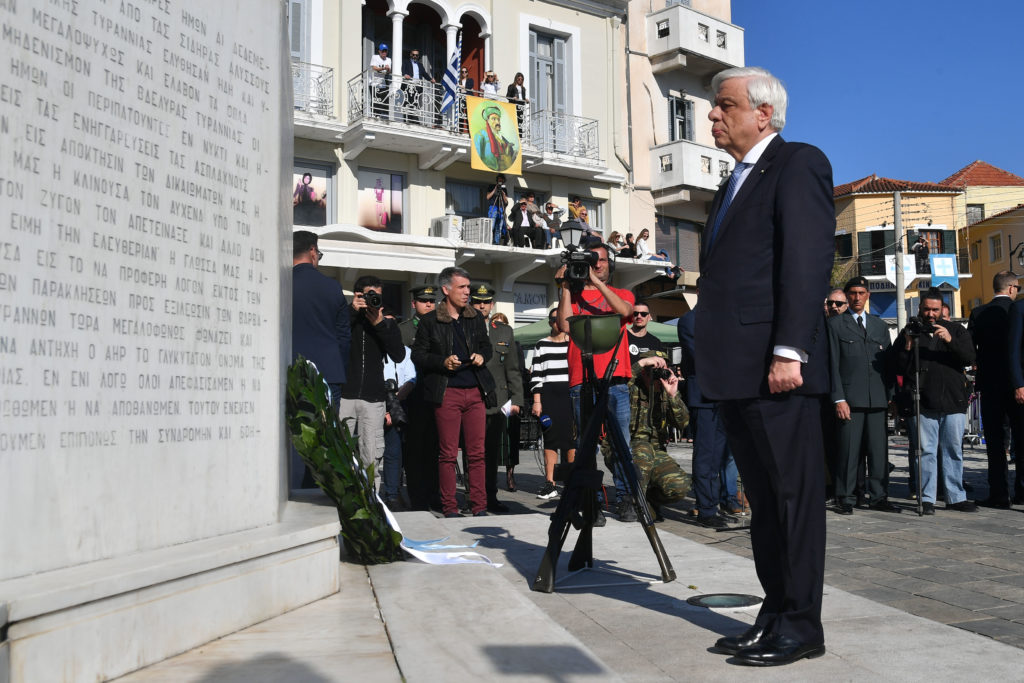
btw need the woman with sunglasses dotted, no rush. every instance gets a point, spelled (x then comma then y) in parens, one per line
(550, 389)
(491, 85)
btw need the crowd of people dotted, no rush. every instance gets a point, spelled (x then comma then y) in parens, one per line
(874, 380)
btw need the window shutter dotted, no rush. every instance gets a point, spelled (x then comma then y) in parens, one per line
(672, 119)
(890, 241)
(949, 241)
(689, 119)
(560, 78)
(534, 69)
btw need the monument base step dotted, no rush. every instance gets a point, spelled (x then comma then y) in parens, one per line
(107, 618)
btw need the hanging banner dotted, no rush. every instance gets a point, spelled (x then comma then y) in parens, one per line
(944, 270)
(909, 272)
(495, 135)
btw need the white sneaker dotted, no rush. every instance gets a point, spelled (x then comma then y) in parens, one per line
(548, 491)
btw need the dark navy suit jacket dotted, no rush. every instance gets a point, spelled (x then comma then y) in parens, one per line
(320, 325)
(763, 279)
(685, 330)
(1016, 340)
(990, 327)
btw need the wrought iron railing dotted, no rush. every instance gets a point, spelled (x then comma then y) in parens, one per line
(313, 85)
(373, 95)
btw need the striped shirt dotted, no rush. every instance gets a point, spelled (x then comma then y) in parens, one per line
(550, 364)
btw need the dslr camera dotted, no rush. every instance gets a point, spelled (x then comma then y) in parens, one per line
(917, 326)
(661, 373)
(373, 299)
(392, 404)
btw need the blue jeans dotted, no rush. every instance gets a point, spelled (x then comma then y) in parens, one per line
(946, 430)
(618, 417)
(497, 214)
(730, 494)
(391, 469)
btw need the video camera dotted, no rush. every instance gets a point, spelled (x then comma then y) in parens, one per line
(917, 326)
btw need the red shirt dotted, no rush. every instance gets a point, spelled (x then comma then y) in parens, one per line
(592, 302)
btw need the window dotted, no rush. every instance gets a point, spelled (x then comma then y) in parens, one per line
(723, 169)
(975, 213)
(381, 200)
(465, 199)
(681, 239)
(702, 32)
(974, 252)
(548, 81)
(705, 164)
(595, 212)
(299, 29)
(666, 162)
(313, 194)
(663, 28)
(872, 248)
(720, 39)
(995, 248)
(844, 246)
(680, 117)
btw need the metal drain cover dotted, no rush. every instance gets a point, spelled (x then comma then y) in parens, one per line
(720, 600)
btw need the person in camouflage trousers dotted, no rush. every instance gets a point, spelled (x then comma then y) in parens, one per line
(655, 405)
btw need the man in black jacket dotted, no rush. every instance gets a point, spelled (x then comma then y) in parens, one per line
(363, 394)
(450, 352)
(414, 75)
(945, 348)
(320, 326)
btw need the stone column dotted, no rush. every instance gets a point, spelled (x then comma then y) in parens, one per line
(488, 58)
(397, 17)
(451, 32)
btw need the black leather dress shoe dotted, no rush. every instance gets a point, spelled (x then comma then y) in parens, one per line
(885, 506)
(749, 638)
(844, 509)
(997, 503)
(776, 650)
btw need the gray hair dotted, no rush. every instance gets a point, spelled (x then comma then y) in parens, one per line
(445, 278)
(762, 88)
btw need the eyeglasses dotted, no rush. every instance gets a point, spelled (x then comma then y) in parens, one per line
(641, 314)
(837, 304)
(552, 321)
(415, 56)
(319, 254)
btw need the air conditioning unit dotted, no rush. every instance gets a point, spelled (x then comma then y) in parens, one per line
(478, 230)
(449, 226)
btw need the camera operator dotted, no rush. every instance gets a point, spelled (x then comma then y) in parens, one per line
(945, 349)
(497, 200)
(399, 381)
(656, 406)
(363, 394)
(593, 296)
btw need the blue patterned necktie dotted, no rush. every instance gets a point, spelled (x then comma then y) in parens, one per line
(730, 193)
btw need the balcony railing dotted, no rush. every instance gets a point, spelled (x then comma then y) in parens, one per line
(314, 88)
(372, 96)
(712, 44)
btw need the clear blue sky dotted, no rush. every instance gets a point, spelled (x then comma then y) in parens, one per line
(907, 89)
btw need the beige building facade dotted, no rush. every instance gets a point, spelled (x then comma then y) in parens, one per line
(617, 116)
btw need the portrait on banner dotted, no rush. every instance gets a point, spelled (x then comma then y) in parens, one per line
(495, 134)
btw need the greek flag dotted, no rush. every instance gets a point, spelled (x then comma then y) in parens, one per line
(451, 76)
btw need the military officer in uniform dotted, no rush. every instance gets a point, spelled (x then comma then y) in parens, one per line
(504, 367)
(419, 451)
(654, 406)
(859, 346)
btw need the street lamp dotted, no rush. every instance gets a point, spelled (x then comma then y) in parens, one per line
(1020, 254)
(571, 233)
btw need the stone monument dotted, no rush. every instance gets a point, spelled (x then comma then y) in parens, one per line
(145, 271)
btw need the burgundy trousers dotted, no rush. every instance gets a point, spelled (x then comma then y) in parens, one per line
(462, 410)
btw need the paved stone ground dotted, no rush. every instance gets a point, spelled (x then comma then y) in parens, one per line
(961, 569)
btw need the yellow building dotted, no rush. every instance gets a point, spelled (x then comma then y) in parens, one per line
(865, 235)
(990, 225)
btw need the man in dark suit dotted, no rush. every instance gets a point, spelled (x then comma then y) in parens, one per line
(414, 74)
(710, 449)
(761, 352)
(320, 326)
(1016, 350)
(990, 327)
(861, 390)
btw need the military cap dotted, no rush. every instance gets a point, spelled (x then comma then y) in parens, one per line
(424, 292)
(858, 281)
(482, 292)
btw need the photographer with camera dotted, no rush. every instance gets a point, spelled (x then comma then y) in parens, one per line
(656, 406)
(497, 200)
(945, 348)
(399, 381)
(363, 394)
(584, 290)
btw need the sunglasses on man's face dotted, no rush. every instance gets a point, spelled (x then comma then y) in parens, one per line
(641, 314)
(835, 304)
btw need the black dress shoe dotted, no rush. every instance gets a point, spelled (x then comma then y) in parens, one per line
(749, 638)
(1018, 500)
(844, 509)
(927, 508)
(885, 506)
(776, 650)
(715, 521)
(1000, 504)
